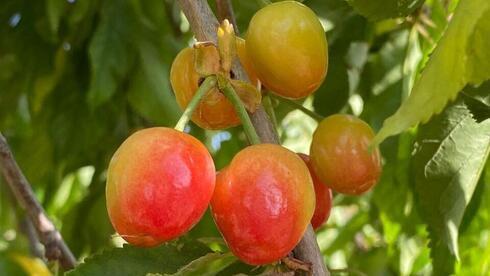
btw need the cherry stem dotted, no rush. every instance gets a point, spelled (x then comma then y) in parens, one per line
(207, 85)
(299, 106)
(242, 114)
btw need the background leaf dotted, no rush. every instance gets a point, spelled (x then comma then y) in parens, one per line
(129, 260)
(437, 85)
(450, 152)
(376, 10)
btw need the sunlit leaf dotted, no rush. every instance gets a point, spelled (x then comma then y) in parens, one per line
(474, 243)
(454, 63)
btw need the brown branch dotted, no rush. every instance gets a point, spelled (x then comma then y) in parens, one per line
(225, 11)
(204, 25)
(296, 265)
(55, 247)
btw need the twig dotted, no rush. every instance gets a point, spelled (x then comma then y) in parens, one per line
(55, 247)
(317, 117)
(204, 25)
(296, 265)
(225, 11)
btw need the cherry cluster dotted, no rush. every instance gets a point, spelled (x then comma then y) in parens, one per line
(160, 181)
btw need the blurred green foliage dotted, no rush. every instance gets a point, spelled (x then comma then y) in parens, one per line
(77, 77)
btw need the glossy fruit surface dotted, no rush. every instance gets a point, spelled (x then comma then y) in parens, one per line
(214, 111)
(340, 156)
(263, 203)
(159, 184)
(323, 196)
(288, 48)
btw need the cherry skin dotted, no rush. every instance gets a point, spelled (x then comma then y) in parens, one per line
(340, 155)
(263, 203)
(159, 184)
(323, 196)
(288, 48)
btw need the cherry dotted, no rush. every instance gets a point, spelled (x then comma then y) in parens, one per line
(289, 51)
(263, 203)
(159, 184)
(340, 154)
(323, 196)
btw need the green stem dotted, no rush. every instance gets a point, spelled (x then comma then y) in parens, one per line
(267, 102)
(299, 106)
(242, 114)
(208, 83)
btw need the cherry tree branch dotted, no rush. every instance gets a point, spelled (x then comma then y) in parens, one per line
(225, 11)
(204, 25)
(55, 247)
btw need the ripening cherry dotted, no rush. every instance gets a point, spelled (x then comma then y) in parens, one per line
(214, 111)
(288, 48)
(340, 154)
(159, 184)
(323, 196)
(263, 203)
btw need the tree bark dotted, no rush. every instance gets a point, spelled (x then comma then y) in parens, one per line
(204, 25)
(225, 11)
(55, 247)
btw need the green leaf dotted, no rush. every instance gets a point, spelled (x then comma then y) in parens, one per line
(150, 94)
(387, 75)
(207, 265)
(382, 9)
(133, 261)
(109, 52)
(45, 84)
(54, 10)
(474, 245)
(461, 57)
(478, 101)
(450, 153)
(333, 94)
(8, 266)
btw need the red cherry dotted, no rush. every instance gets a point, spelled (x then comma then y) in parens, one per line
(323, 196)
(159, 184)
(341, 157)
(263, 202)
